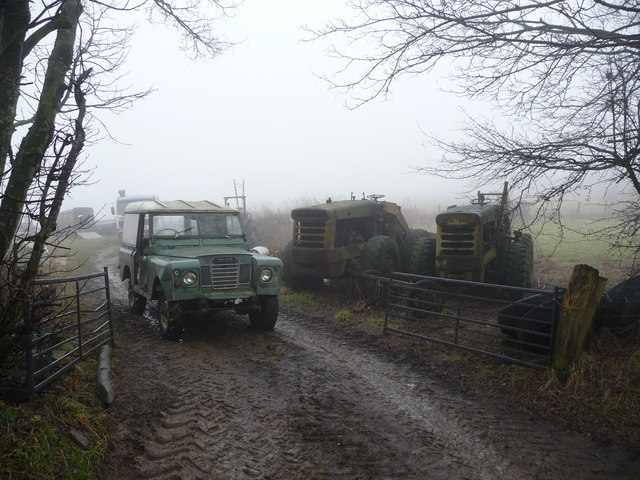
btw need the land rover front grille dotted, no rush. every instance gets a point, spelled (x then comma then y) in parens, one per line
(457, 241)
(310, 233)
(224, 273)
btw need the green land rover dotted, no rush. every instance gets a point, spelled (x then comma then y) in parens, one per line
(193, 257)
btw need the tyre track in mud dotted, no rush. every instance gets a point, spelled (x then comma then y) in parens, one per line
(313, 401)
(217, 428)
(496, 440)
(287, 415)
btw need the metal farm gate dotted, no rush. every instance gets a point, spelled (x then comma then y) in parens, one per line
(510, 323)
(73, 319)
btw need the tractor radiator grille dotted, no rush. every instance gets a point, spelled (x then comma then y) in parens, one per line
(310, 233)
(457, 241)
(225, 273)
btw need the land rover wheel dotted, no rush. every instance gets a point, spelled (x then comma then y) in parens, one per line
(169, 319)
(380, 254)
(265, 318)
(137, 302)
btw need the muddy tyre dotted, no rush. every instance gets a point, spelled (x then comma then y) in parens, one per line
(529, 321)
(622, 308)
(380, 254)
(407, 248)
(423, 257)
(169, 321)
(519, 267)
(528, 240)
(265, 318)
(137, 303)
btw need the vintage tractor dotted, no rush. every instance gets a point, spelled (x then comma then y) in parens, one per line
(474, 242)
(335, 239)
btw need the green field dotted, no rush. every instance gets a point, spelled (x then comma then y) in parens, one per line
(78, 256)
(572, 244)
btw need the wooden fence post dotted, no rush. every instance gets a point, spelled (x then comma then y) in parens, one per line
(576, 317)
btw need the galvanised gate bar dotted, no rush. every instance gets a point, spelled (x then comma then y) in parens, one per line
(73, 321)
(510, 323)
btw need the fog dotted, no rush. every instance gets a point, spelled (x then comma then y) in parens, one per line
(259, 115)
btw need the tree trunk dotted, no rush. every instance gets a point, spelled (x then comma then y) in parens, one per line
(37, 140)
(14, 21)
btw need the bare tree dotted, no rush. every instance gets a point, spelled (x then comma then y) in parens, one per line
(59, 66)
(564, 74)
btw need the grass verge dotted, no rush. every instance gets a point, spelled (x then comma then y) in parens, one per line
(59, 434)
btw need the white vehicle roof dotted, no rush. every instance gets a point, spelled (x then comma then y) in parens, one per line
(177, 206)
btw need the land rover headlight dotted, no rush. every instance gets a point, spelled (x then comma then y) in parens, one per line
(189, 279)
(265, 275)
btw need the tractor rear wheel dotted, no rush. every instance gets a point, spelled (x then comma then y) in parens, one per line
(381, 255)
(407, 248)
(423, 257)
(519, 267)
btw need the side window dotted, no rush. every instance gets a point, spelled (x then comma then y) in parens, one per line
(130, 228)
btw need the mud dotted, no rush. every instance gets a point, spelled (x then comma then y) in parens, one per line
(318, 400)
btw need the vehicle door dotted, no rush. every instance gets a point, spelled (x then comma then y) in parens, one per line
(141, 256)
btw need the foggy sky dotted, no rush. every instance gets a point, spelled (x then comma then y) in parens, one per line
(258, 114)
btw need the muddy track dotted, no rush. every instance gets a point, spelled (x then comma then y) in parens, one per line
(313, 400)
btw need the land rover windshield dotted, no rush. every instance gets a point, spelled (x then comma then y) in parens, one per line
(190, 224)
